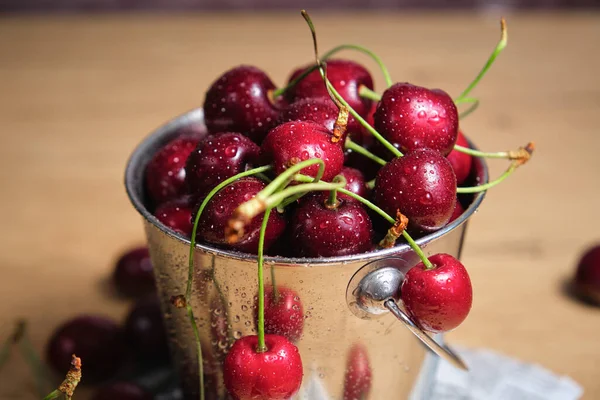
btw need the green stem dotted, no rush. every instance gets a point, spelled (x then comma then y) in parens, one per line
(329, 54)
(371, 184)
(482, 154)
(188, 292)
(469, 110)
(41, 374)
(362, 151)
(278, 197)
(282, 179)
(466, 100)
(484, 187)
(262, 347)
(53, 395)
(332, 200)
(499, 47)
(367, 93)
(415, 247)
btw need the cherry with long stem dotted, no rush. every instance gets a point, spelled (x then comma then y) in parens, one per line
(262, 347)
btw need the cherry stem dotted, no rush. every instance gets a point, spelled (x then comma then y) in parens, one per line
(468, 111)
(371, 184)
(481, 154)
(339, 98)
(415, 247)
(350, 145)
(69, 384)
(499, 47)
(484, 187)
(329, 54)
(38, 367)
(262, 347)
(188, 292)
(332, 202)
(367, 93)
(278, 197)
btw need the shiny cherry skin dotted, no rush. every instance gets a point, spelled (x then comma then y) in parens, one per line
(461, 162)
(218, 211)
(96, 339)
(413, 117)
(165, 173)
(121, 391)
(355, 183)
(346, 76)
(284, 314)
(218, 157)
(239, 101)
(587, 277)
(145, 331)
(318, 231)
(439, 299)
(421, 185)
(133, 275)
(358, 375)
(293, 142)
(275, 374)
(177, 214)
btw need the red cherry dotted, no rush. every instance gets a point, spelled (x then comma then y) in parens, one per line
(284, 315)
(413, 117)
(421, 185)
(133, 275)
(461, 162)
(439, 299)
(121, 391)
(346, 77)
(297, 141)
(587, 277)
(318, 231)
(275, 374)
(238, 101)
(218, 211)
(177, 214)
(218, 157)
(165, 173)
(145, 331)
(358, 376)
(355, 183)
(458, 211)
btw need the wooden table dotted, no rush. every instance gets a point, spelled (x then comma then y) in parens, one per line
(78, 93)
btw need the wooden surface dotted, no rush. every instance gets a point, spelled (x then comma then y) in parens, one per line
(78, 93)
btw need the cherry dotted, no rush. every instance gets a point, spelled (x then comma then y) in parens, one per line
(346, 76)
(145, 331)
(133, 275)
(217, 158)
(438, 299)
(421, 185)
(284, 314)
(461, 162)
(95, 339)
(165, 173)
(293, 142)
(218, 211)
(355, 183)
(358, 376)
(177, 214)
(275, 374)
(122, 391)
(587, 277)
(319, 231)
(239, 101)
(413, 117)
(457, 212)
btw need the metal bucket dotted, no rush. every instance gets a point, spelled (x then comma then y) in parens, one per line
(338, 345)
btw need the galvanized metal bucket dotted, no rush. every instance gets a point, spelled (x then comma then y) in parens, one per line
(335, 323)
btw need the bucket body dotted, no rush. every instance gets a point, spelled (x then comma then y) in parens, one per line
(344, 356)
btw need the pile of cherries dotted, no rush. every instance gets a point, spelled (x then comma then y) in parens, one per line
(336, 169)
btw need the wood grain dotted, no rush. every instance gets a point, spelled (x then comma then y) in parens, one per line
(78, 93)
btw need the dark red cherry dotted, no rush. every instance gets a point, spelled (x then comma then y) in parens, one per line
(165, 173)
(438, 299)
(293, 142)
(457, 212)
(284, 314)
(95, 339)
(218, 157)
(461, 162)
(133, 274)
(587, 277)
(421, 185)
(413, 117)
(239, 101)
(218, 211)
(355, 183)
(346, 77)
(317, 231)
(121, 391)
(177, 214)
(275, 374)
(358, 375)
(145, 331)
